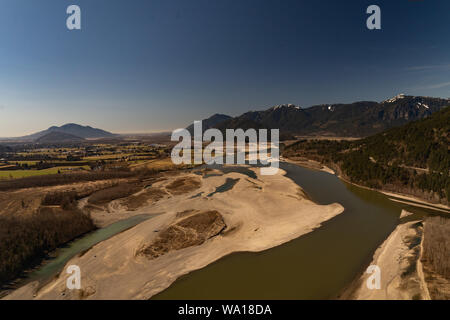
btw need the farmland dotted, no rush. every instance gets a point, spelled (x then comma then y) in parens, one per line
(21, 161)
(15, 174)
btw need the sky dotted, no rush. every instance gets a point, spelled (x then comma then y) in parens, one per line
(156, 65)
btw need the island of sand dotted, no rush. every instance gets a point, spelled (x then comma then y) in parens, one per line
(412, 261)
(199, 217)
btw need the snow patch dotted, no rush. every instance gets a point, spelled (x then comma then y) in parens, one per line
(290, 105)
(420, 104)
(397, 97)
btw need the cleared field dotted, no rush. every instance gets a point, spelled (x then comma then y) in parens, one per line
(15, 174)
(159, 164)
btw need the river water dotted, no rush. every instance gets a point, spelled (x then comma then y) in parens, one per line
(318, 265)
(52, 266)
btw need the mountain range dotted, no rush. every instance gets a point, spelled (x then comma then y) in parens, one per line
(358, 119)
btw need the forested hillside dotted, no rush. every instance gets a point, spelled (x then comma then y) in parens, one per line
(413, 158)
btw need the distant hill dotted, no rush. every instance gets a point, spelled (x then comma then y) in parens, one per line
(413, 158)
(211, 122)
(357, 119)
(58, 137)
(85, 132)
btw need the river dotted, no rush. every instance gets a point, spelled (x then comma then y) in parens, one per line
(52, 266)
(318, 265)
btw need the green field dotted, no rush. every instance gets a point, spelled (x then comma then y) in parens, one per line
(15, 174)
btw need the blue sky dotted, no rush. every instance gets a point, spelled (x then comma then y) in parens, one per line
(147, 65)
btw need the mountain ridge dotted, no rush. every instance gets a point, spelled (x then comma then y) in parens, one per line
(357, 119)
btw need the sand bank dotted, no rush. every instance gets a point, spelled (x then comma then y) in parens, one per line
(418, 202)
(399, 263)
(258, 213)
(310, 164)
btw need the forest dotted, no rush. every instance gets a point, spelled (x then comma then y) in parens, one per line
(25, 240)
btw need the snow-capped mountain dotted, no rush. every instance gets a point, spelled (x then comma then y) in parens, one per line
(356, 119)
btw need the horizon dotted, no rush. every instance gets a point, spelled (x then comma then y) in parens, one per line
(168, 130)
(153, 67)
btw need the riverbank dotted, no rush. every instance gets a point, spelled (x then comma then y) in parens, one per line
(401, 274)
(311, 164)
(410, 199)
(258, 214)
(420, 202)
